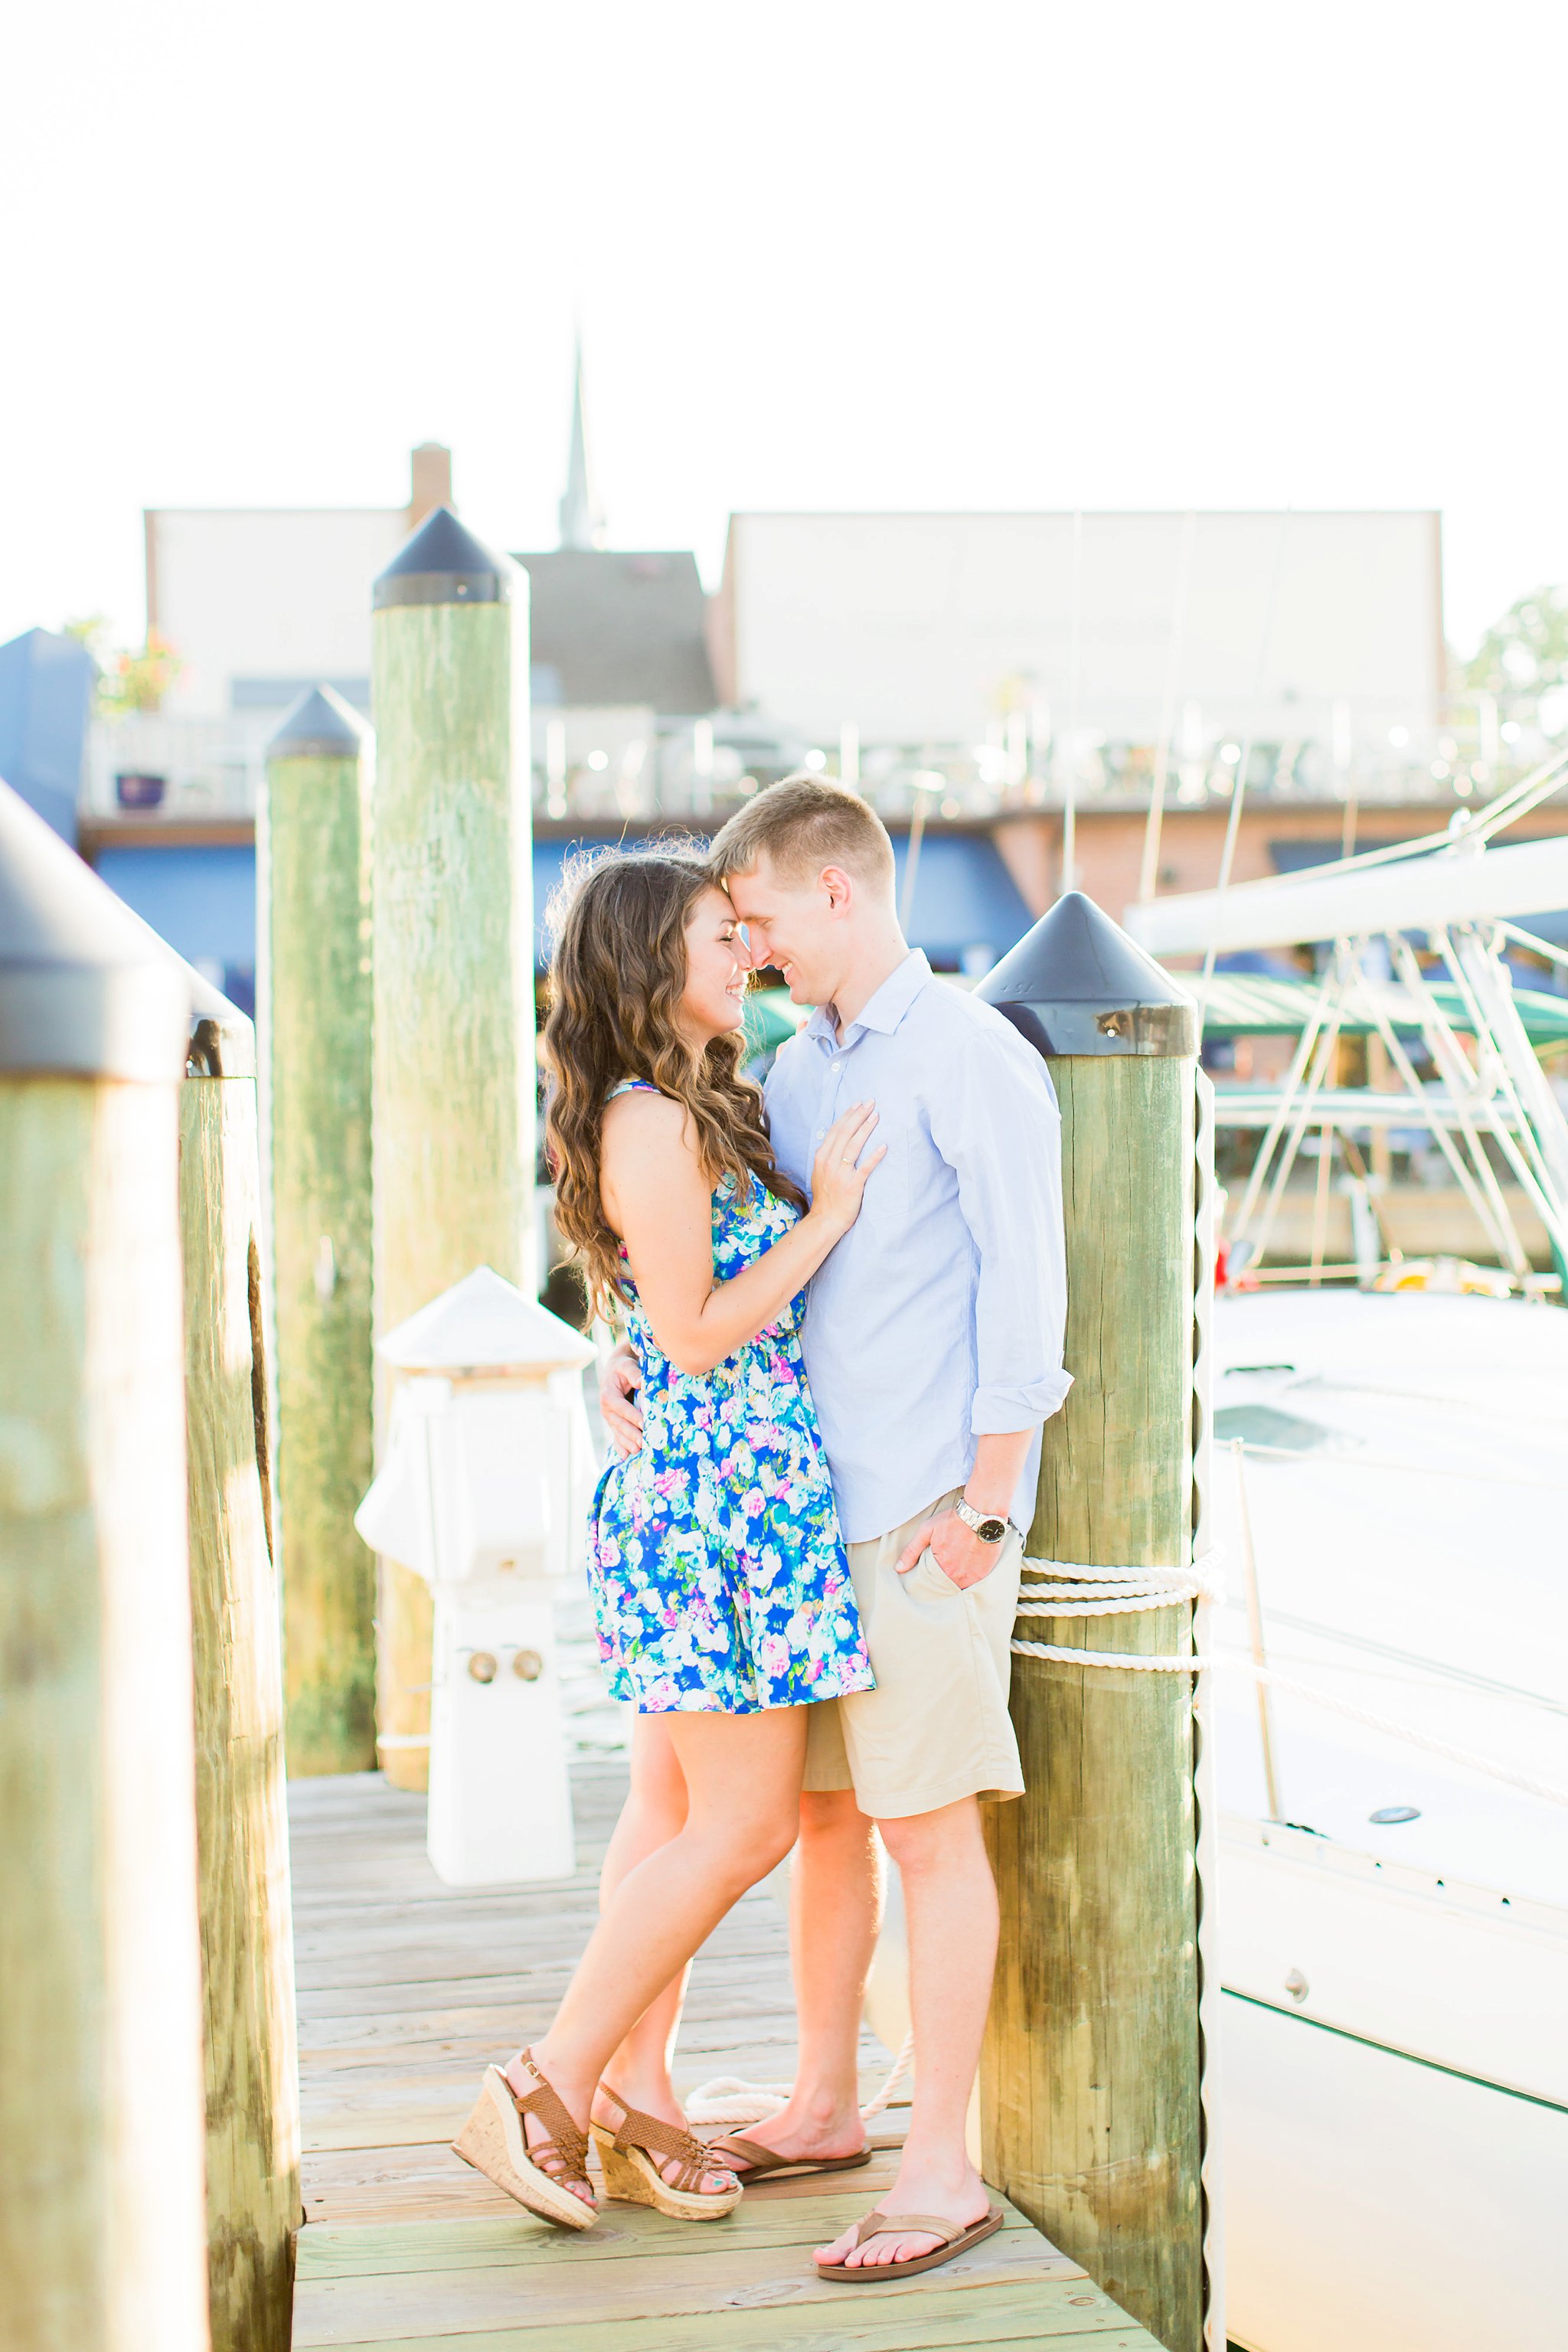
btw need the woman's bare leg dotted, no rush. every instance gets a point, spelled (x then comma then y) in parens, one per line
(654, 1812)
(742, 1776)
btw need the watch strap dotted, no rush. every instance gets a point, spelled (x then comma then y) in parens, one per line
(977, 1521)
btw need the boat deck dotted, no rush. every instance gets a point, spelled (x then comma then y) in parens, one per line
(407, 1987)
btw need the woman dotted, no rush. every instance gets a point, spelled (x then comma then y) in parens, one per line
(719, 1576)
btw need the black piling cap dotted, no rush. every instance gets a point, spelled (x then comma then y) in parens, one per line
(320, 725)
(444, 563)
(1078, 984)
(86, 989)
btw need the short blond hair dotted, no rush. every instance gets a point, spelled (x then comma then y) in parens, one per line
(801, 825)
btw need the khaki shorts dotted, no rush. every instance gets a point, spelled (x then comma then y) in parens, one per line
(936, 1727)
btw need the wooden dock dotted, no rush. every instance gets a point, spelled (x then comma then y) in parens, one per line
(405, 1988)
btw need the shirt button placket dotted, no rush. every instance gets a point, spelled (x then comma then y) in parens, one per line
(835, 1088)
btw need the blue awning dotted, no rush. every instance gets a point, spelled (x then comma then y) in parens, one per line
(965, 903)
(201, 899)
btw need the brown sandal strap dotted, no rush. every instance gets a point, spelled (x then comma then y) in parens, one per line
(904, 2225)
(668, 2141)
(751, 2152)
(566, 2141)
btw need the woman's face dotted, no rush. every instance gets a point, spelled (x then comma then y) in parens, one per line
(717, 966)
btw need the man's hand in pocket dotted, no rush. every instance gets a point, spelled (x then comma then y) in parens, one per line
(962, 1558)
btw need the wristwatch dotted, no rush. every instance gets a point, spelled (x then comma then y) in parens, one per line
(986, 1524)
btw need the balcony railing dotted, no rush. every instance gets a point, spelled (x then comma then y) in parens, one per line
(156, 765)
(615, 766)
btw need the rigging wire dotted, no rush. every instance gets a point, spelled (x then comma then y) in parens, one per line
(1238, 790)
(1149, 875)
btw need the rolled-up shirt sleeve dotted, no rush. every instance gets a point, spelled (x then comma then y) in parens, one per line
(998, 1128)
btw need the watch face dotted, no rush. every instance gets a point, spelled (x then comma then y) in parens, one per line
(991, 1530)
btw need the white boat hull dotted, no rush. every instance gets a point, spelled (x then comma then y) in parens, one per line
(1374, 2204)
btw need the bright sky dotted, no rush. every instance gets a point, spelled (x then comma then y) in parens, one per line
(841, 253)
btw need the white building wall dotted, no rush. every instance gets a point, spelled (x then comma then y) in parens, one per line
(928, 625)
(265, 594)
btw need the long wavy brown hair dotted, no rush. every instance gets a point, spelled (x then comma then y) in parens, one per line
(616, 978)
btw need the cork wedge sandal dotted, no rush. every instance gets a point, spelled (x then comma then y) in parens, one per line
(633, 2153)
(494, 2140)
(955, 2237)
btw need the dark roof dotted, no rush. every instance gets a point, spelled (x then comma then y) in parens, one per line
(609, 628)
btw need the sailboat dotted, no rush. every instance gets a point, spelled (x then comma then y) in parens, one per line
(1387, 1483)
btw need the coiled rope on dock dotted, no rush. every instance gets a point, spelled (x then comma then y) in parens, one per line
(730, 2099)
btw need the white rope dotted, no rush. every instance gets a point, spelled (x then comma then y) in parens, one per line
(1134, 1589)
(1132, 1659)
(730, 2099)
(1081, 1593)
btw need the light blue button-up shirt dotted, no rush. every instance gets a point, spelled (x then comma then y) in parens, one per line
(940, 1316)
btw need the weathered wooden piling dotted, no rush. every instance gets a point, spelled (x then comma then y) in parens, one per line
(1090, 2085)
(317, 853)
(453, 956)
(102, 2230)
(242, 1839)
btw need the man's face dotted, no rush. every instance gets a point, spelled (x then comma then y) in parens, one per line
(796, 927)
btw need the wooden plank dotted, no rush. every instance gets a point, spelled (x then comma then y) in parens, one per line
(388, 2117)
(325, 2001)
(424, 2181)
(353, 2040)
(584, 2281)
(623, 2232)
(865, 2322)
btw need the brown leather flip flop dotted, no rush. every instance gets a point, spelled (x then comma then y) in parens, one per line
(955, 2241)
(766, 2163)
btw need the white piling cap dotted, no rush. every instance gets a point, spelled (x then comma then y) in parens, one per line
(484, 1324)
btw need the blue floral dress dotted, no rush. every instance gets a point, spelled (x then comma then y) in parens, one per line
(715, 1561)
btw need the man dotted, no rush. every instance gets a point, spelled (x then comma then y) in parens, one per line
(933, 1347)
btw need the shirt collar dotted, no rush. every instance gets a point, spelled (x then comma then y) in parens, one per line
(883, 1010)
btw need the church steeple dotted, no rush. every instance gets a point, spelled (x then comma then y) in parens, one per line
(582, 524)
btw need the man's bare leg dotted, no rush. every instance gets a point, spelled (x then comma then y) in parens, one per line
(949, 1900)
(835, 1905)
